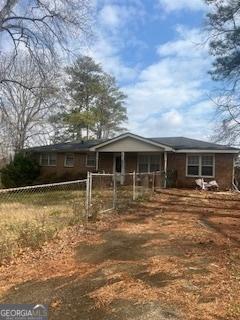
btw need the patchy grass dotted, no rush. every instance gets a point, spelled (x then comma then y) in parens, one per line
(31, 219)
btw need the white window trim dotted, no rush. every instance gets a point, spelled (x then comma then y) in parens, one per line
(65, 160)
(200, 166)
(47, 165)
(90, 166)
(148, 155)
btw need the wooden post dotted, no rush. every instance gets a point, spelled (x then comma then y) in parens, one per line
(122, 166)
(153, 182)
(87, 197)
(134, 186)
(165, 169)
(90, 189)
(97, 161)
(114, 190)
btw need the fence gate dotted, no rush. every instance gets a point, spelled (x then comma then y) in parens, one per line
(106, 192)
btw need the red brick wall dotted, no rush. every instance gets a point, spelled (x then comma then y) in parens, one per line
(223, 167)
(223, 170)
(79, 170)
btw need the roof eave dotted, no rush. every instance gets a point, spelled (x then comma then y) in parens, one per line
(236, 151)
(58, 151)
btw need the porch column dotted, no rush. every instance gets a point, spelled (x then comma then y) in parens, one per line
(165, 169)
(122, 166)
(97, 161)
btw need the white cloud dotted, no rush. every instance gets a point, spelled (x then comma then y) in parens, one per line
(190, 44)
(116, 15)
(110, 16)
(195, 122)
(165, 98)
(114, 31)
(175, 5)
(173, 118)
(107, 52)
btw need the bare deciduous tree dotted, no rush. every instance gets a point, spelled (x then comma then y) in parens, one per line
(24, 114)
(42, 27)
(223, 26)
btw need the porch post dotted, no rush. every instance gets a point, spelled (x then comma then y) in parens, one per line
(97, 161)
(122, 166)
(165, 169)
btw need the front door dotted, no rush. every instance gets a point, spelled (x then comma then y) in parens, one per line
(117, 167)
(118, 164)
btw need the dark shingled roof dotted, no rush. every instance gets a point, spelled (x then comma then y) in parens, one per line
(179, 143)
(176, 143)
(67, 146)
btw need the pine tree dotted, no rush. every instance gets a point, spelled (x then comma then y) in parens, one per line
(95, 105)
(223, 25)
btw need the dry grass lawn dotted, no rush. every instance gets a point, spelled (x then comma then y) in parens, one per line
(175, 257)
(28, 219)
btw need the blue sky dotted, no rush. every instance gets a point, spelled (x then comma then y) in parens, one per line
(155, 50)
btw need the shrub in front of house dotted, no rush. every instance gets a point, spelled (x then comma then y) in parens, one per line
(56, 178)
(21, 171)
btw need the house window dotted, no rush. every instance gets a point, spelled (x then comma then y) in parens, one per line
(143, 163)
(148, 163)
(154, 163)
(91, 160)
(193, 165)
(207, 166)
(200, 166)
(69, 160)
(48, 159)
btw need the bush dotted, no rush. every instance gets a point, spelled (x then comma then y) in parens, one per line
(22, 171)
(34, 235)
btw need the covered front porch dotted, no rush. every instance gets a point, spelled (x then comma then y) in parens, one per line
(130, 153)
(126, 162)
(122, 163)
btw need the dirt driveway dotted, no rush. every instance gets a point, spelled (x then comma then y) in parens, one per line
(176, 257)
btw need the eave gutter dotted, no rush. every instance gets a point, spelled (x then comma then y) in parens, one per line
(233, 151)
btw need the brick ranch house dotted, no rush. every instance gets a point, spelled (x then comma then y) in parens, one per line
(188, 159)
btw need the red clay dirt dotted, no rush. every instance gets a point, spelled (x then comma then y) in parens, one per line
(174, 257)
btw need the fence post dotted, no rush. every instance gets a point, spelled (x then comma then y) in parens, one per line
(153, 182)
(87, 197)
(90, 188)
(134, 185)
(114, 190)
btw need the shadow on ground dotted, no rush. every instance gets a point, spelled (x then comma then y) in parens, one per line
(125, 255)
(153, 265)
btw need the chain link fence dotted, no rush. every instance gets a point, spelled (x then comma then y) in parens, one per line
(30, 216)
(117, 191)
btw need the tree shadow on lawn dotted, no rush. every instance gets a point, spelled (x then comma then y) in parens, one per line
(70, 297)
(123, 246)
(67, 297)
(120, 253)
(187, 209)
(228, 231)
